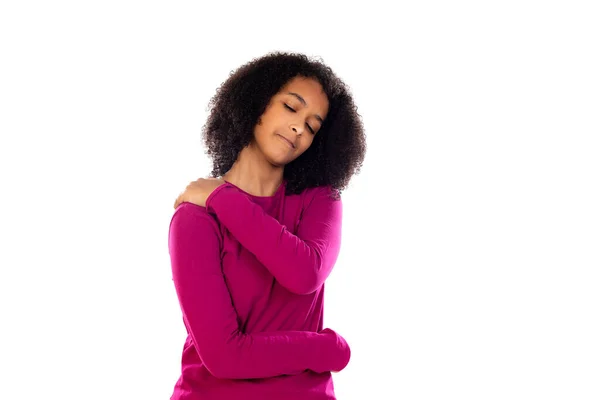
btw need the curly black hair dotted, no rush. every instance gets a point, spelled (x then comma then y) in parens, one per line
(338, 149)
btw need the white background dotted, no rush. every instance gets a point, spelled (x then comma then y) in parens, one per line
(471, 243)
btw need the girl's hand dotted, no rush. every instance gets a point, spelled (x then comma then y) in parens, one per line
(198, 191)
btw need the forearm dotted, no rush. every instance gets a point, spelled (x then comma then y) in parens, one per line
(211, 320)
(269, 354)
(299, 263)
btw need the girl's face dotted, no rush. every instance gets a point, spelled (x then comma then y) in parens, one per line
(291, 120)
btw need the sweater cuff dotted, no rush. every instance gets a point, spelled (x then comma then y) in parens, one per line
(209, 199)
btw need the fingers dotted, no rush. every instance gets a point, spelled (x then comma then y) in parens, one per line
(177, 201)
(191, 186)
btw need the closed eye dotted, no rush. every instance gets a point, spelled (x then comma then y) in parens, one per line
(292, 110)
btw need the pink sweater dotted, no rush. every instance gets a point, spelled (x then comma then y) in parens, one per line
(249, 274)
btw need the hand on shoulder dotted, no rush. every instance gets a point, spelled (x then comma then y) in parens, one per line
(198, 191)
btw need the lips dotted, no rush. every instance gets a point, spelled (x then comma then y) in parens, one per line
(289, 142)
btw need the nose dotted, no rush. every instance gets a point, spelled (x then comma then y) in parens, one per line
(296, 130)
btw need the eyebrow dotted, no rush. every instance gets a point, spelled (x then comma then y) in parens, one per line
(317, 116)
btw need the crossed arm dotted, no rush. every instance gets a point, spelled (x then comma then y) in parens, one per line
(211, 320)
(301, 262)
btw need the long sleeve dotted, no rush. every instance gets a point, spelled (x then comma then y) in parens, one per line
(301, 262)
(211, 320)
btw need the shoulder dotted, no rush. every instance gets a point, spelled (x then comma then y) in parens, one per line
(193, 233)
(323, 201)
(192, 217)
(322, 194)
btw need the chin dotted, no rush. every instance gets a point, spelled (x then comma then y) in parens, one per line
(278, 161)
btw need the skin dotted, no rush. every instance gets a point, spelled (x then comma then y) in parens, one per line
(281, 135)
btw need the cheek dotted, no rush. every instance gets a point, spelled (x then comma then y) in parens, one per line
(260, 131)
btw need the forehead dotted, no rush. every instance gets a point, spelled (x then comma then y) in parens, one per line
(310, 90)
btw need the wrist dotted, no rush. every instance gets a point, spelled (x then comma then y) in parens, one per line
(210, 198)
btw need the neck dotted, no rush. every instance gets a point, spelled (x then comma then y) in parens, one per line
(252, 173)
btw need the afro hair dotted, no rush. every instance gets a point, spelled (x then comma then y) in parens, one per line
(338, 149)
